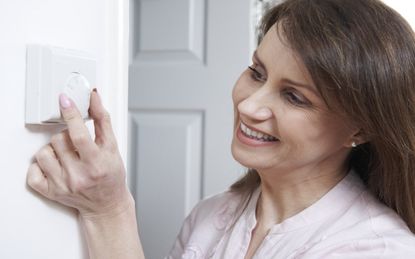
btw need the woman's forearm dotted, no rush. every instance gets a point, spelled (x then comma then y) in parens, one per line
(113, 236)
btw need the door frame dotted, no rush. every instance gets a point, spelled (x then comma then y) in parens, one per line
(116, 71)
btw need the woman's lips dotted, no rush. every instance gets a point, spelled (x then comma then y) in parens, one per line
(253, 141)
(250, 131)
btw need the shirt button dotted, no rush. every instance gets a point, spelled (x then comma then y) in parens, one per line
(192, 252)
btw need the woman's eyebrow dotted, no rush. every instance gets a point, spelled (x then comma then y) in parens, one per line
(308, 87)
(256, 59)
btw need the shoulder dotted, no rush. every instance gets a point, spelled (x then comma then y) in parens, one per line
(364, 216)
(367, 229)
(382, 247)
(389, 231)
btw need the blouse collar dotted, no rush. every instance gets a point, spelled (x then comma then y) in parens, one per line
(347, 190)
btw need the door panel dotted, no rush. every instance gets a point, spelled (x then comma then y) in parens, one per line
(186, 56)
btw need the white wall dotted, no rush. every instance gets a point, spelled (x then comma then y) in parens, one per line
(31, 227)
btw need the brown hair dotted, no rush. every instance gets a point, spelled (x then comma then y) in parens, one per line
(361, 57)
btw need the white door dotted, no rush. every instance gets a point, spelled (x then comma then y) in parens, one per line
(185, 57)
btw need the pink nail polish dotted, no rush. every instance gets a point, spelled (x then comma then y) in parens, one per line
(64, 101)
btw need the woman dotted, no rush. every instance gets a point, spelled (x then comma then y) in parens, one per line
(324, 117)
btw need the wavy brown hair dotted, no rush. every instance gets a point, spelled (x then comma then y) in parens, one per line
(361, 56)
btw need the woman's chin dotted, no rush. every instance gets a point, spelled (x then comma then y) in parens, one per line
(249, 160)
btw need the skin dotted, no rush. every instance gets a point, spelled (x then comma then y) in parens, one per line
(307, 161)
(86, 174)
(314, 142)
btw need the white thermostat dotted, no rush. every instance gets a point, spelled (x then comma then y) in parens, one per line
(51, 71)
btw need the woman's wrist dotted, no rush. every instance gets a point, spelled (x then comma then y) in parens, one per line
(123, 204)
(113, 234)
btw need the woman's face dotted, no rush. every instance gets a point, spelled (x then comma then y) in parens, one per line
(281, 121)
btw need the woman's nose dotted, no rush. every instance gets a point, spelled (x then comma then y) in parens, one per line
(254, 109)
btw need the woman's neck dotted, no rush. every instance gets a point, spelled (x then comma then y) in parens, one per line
(284, 195)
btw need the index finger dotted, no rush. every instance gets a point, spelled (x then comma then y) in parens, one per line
(78, 132)
(104, 134)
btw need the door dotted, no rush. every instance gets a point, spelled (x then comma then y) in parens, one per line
(185, 57)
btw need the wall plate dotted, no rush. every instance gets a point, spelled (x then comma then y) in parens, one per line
(51, 71)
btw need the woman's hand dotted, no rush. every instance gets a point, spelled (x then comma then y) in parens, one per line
(89, 175)
(79, 172)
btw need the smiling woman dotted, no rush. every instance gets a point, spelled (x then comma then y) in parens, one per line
(311, 139)
(324, 120)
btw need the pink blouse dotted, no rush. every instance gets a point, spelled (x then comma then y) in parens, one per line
(348, 222)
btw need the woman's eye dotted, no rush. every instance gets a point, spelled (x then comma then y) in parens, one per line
(256, 75)
(295, 99)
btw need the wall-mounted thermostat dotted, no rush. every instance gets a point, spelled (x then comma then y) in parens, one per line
(51, 71)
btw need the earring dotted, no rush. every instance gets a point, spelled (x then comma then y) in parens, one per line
(354, 144)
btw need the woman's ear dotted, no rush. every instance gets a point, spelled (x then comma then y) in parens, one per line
(358, 137)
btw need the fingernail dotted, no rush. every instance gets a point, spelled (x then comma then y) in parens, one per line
(64, 101)
(96, 92)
